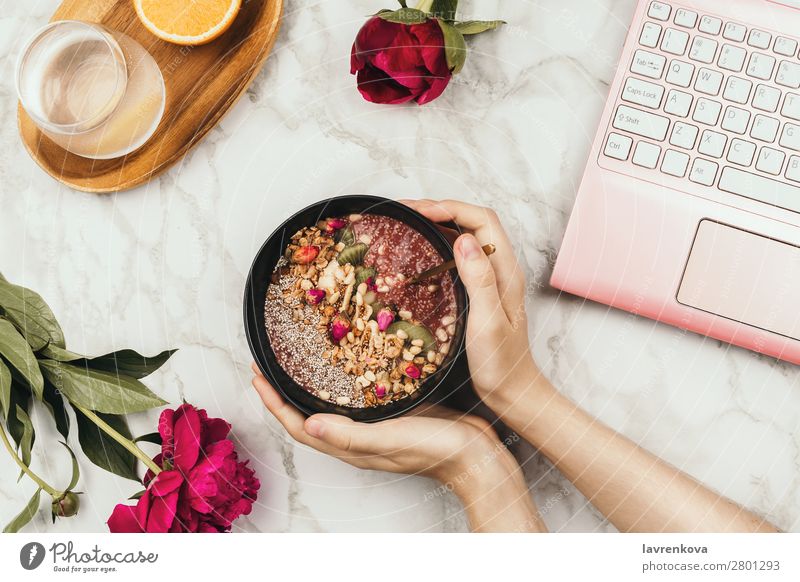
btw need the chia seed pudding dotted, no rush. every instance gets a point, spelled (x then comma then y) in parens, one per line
(342, 318)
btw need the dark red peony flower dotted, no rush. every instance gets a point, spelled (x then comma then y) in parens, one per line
(396, 63)
(204, 486)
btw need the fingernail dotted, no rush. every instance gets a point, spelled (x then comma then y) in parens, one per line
(469, 247)
(314, 427)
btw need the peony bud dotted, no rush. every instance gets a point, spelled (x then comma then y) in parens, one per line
(305, 255)
(67, 506)
(314, 296)
(385, 318)
(339, 327)
(380, 390)
(335, 224)
(411, 371)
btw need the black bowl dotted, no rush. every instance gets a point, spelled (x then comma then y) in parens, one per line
(259, 279)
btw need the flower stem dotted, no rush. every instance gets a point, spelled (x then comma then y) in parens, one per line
(25, 469)
(425, 5)
(125, 442)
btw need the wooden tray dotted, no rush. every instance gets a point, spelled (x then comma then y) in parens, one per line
(202, 83)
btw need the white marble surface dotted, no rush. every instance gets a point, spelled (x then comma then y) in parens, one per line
(164, 265)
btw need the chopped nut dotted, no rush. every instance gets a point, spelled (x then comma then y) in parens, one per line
(343, 400)
(428, 369)
(407, 356)
(402, 335)
(305, 284)
(444, 348)
(404, 314)
(418, 342)
(439, 359)
(360, 324)
(448, 319)
(433, 288)
(350, 337)
(369, 375)
(354, 217)
(333, 297)
(324, 394)
(451, 329)
(431, 356)
(415, 350)
(441, 335)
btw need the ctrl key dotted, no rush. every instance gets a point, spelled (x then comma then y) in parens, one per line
(618, 146)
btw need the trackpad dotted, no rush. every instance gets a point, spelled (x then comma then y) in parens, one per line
(744, 277)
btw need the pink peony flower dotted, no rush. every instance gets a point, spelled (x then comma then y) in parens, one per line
(335, 224)
(203, 487)
(384, 318)
(339, 327)
(315, 296)
(396, 63)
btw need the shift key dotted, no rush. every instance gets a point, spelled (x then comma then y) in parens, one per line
(641, 123)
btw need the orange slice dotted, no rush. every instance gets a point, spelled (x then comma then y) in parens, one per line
(187, 22)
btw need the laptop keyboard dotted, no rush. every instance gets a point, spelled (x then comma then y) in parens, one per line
(714, 102)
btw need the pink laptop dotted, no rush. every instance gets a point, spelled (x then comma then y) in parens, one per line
(689, 208)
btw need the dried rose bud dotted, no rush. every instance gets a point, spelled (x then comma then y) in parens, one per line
(315, 296)
(335, 224)
(412, 371)
(385, 318)
(305, 255)
(66, 506)
(339, 327)
(380, 390)
(371, 286)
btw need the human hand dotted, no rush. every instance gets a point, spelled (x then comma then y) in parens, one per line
(499, 356)
(459, 450)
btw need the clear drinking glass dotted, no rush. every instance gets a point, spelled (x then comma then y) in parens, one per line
(94, 91)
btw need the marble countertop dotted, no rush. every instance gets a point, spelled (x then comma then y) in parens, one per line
(164, 266)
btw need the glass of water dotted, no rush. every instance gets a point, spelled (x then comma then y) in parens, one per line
(94, 91)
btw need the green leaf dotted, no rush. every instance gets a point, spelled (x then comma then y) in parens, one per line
(28, 436)
(20, 396)
(403, 3)
(98, 390)
(24, 516)
(60, 354)
(54, 402)
(445, 9)
(104, 451)
(28, 311)
(17, 352)
(138, 494)
(403, 16)
(455, 48)
(5, 389)
(477, 26)
(151, 437)
(76, 471)
(130, 363)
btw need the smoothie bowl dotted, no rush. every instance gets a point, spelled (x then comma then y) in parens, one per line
(333, 319)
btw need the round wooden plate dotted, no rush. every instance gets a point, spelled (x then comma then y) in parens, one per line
(202, 82)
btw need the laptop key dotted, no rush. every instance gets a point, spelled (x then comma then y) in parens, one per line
(759, 188)
(734, 32)
(707, 111)
(765, 128)
(770, 161)
(761, 66)
(684, 135)
(685, 18)
(641, 123)
(642, 93)
(675, 41)
(648, 64)
(788, 75)
(791, 106)
(703, 172)
(737, 90)
(708, 81)
(741, 152)
(731, 58)
(678, 103)
(785, 46)
(793, 169)
(618, 146)
(651, 32)
(759, 39)
(790, 138)
(767, 98)
(735, 119)
(712, 143)
(680, 73)
(675, 163)
(646, 155)
(703, 50)
(659, 11)
(710, 25)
